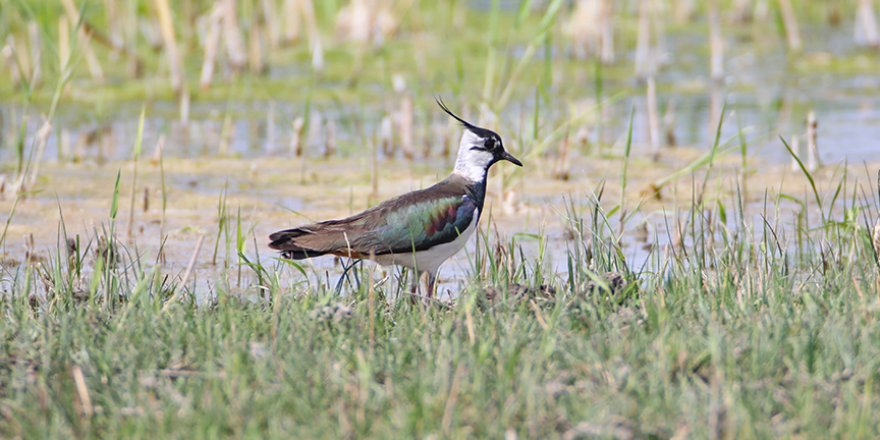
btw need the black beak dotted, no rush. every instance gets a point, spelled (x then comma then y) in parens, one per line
(508, 157)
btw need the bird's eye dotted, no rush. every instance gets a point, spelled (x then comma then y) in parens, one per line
(490, 144)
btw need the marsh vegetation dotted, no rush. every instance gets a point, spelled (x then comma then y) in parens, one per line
(691, 249)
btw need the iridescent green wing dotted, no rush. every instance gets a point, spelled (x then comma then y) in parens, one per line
(419, 226)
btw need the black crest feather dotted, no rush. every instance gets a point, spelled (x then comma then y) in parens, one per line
(479, 131)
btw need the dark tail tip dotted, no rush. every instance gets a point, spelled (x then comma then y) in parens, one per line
(285, 241)
(287, 234)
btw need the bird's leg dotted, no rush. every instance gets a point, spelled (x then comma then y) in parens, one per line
(344, 276)
(431, 279)
(414, 285)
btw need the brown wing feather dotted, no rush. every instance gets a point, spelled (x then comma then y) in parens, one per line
(341, 237)
(329, 237)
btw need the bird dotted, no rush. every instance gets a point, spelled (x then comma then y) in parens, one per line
(418, 230)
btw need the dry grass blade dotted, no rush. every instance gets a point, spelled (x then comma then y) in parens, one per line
(186, 274)
(875, 240)
(82, 391)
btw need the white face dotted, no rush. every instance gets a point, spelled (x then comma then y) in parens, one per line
(473, 159)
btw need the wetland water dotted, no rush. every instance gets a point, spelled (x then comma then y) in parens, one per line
(848, 112)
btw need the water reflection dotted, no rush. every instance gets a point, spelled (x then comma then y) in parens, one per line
(849, 126)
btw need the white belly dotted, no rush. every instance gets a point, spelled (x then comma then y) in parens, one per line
(430, 260)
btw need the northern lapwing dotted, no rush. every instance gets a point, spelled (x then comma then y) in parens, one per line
(420, 229)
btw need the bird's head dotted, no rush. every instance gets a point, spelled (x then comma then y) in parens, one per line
(478, 149)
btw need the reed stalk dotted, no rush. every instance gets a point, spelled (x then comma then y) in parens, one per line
(35, 42)
(63, 42)
(172, 52)
(232, 35)
(296, 138)
(643, 57)
(256, 50)
(866, 32)
(84, 41)
(813, 162)
(606, 51)
(653, 118)
(716, 43)
(790, 23)
(136, 154)
(405, 127)
(211, 46)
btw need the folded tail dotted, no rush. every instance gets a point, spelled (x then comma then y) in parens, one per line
(297, 243)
